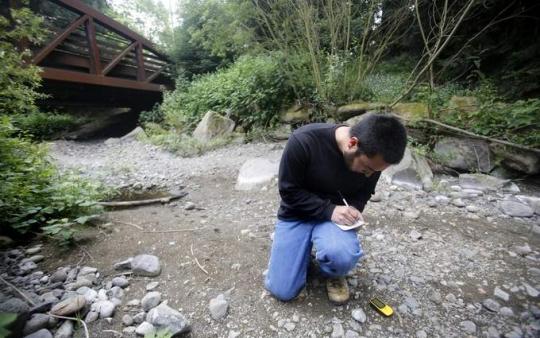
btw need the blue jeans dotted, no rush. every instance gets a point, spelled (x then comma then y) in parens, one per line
(337, 252)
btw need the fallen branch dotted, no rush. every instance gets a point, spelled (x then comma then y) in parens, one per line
(127, 223)
(511, 144)
(73, 318)
(18, 291)
(168, 231)
(86, 252)
(197, 261)
(143, 202)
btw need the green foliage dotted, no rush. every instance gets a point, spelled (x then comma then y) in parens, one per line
(181, 144)
(5, 320)
(439, 97)
(155, 115)
(384, 87)
(253, 91)
(45, 126)
(34, 194)
(18, 83)
(164, 333)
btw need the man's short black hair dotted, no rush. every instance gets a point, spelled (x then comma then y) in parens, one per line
(381, 134)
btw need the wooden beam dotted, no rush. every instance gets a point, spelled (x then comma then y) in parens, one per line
(117, 59)
(58, 39)
(141, 73)
(71, 76)
(80, 7)
(155, 74)
(93, 49)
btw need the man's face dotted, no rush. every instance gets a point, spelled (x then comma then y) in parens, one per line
(363, 164)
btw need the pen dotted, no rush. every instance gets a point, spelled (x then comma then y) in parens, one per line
(343, 199)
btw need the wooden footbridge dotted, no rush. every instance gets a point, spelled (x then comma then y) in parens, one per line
(89, 58)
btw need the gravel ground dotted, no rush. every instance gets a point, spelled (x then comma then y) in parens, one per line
(449, 269)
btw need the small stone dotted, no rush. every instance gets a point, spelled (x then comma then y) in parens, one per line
(116, 292)
(162, 316)
(501, 294)
(150, 300)
(531, 291)
(65, 330)
(33, 250)
(59, 276)
(146, 265)
(151, 286)
(411, 214)
(493, 333)
(351, 334)
(105, 308)
(472, 208)
(458, 202)
(218, 307)
(523, 250)
(130, 330)
(189, 206)
(36, 258)
(37, 322)
(491, 305)
(516, 209)
(233, 334)
(123, 265)
(359, 315)
(120, 282)
(133, 302)
(85, 270)
(376, 197)
(421, 334)
(139, 317)
(145, 328)
(415, 235)
(506, 311)
(91, 317)
(289, 326)
(441, 199)
(468, 326)
(43, 333)
(127, 320)
(337, 331)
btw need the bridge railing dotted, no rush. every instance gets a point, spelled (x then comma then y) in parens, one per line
(86, 46)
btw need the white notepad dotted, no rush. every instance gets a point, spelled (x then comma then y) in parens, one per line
(358, 223)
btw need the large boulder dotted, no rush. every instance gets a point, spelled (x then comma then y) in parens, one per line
(481, 182)
(356, 108)
(295, 114)
(464, 154)
(527, 162)
(411, 111)
(464, 103)
(413, 172)
(146, 265)
(213, 125)
(134, 134)
(256, 173)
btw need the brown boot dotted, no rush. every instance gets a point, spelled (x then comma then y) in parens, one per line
(338, 290)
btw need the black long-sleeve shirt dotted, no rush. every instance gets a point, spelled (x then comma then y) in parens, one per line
(313, 171)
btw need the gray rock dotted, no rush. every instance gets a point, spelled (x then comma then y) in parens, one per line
(481, 182)
(359, 315)
(337, 331)
(501, 294)
(458, 202)
(139, 317)
(133, 302)
(415, 235)
(150, 300)
(151, 286)
(164, 317)
(127, 320)
(90, 295)
(105, 308)
(492, 333)
(123, 265)
(85, 270)
(134, 134)
(516, 209)
(91, 317)
(211, 126)
(189, 206)
(532, 201)
(441, 199)
(526, 162)
(33, 250)
(531, 291)
(256, 173)
(472, 208)
(289, 326)
(411, 303)
(69, 306)
(491, 305)
(145, 328)
(506, 311)
(130, 330)
(59, 276)
(468, 326)
(421, 334)
(14, 305)
(464, 154)
(36, 258)
(351, 334)
(116, 292)
(43, 333)
(37, 322)
(120, 281)
(65, 330)
(218, 307)
(146, 265)
(412, 172)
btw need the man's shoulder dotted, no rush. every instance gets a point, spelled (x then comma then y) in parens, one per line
(314, 129)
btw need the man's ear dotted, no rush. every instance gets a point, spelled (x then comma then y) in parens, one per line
(353, 142)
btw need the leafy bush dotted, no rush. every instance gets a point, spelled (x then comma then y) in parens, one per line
(385, 87)
(34, 194)
(18, 83)
(181, 144)
(253, 91)
(45, 126)
(155, 115)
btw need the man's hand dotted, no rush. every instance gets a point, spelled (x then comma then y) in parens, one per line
(345, 215)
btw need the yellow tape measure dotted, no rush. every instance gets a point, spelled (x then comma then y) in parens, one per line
(381, 307)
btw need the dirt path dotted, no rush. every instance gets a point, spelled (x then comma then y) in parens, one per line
(436, 284)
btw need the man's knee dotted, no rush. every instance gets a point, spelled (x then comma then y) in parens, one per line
(282, 292)
(341, 261)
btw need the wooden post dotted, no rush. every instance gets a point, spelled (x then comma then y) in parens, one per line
(93, 49)
(141, 75)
